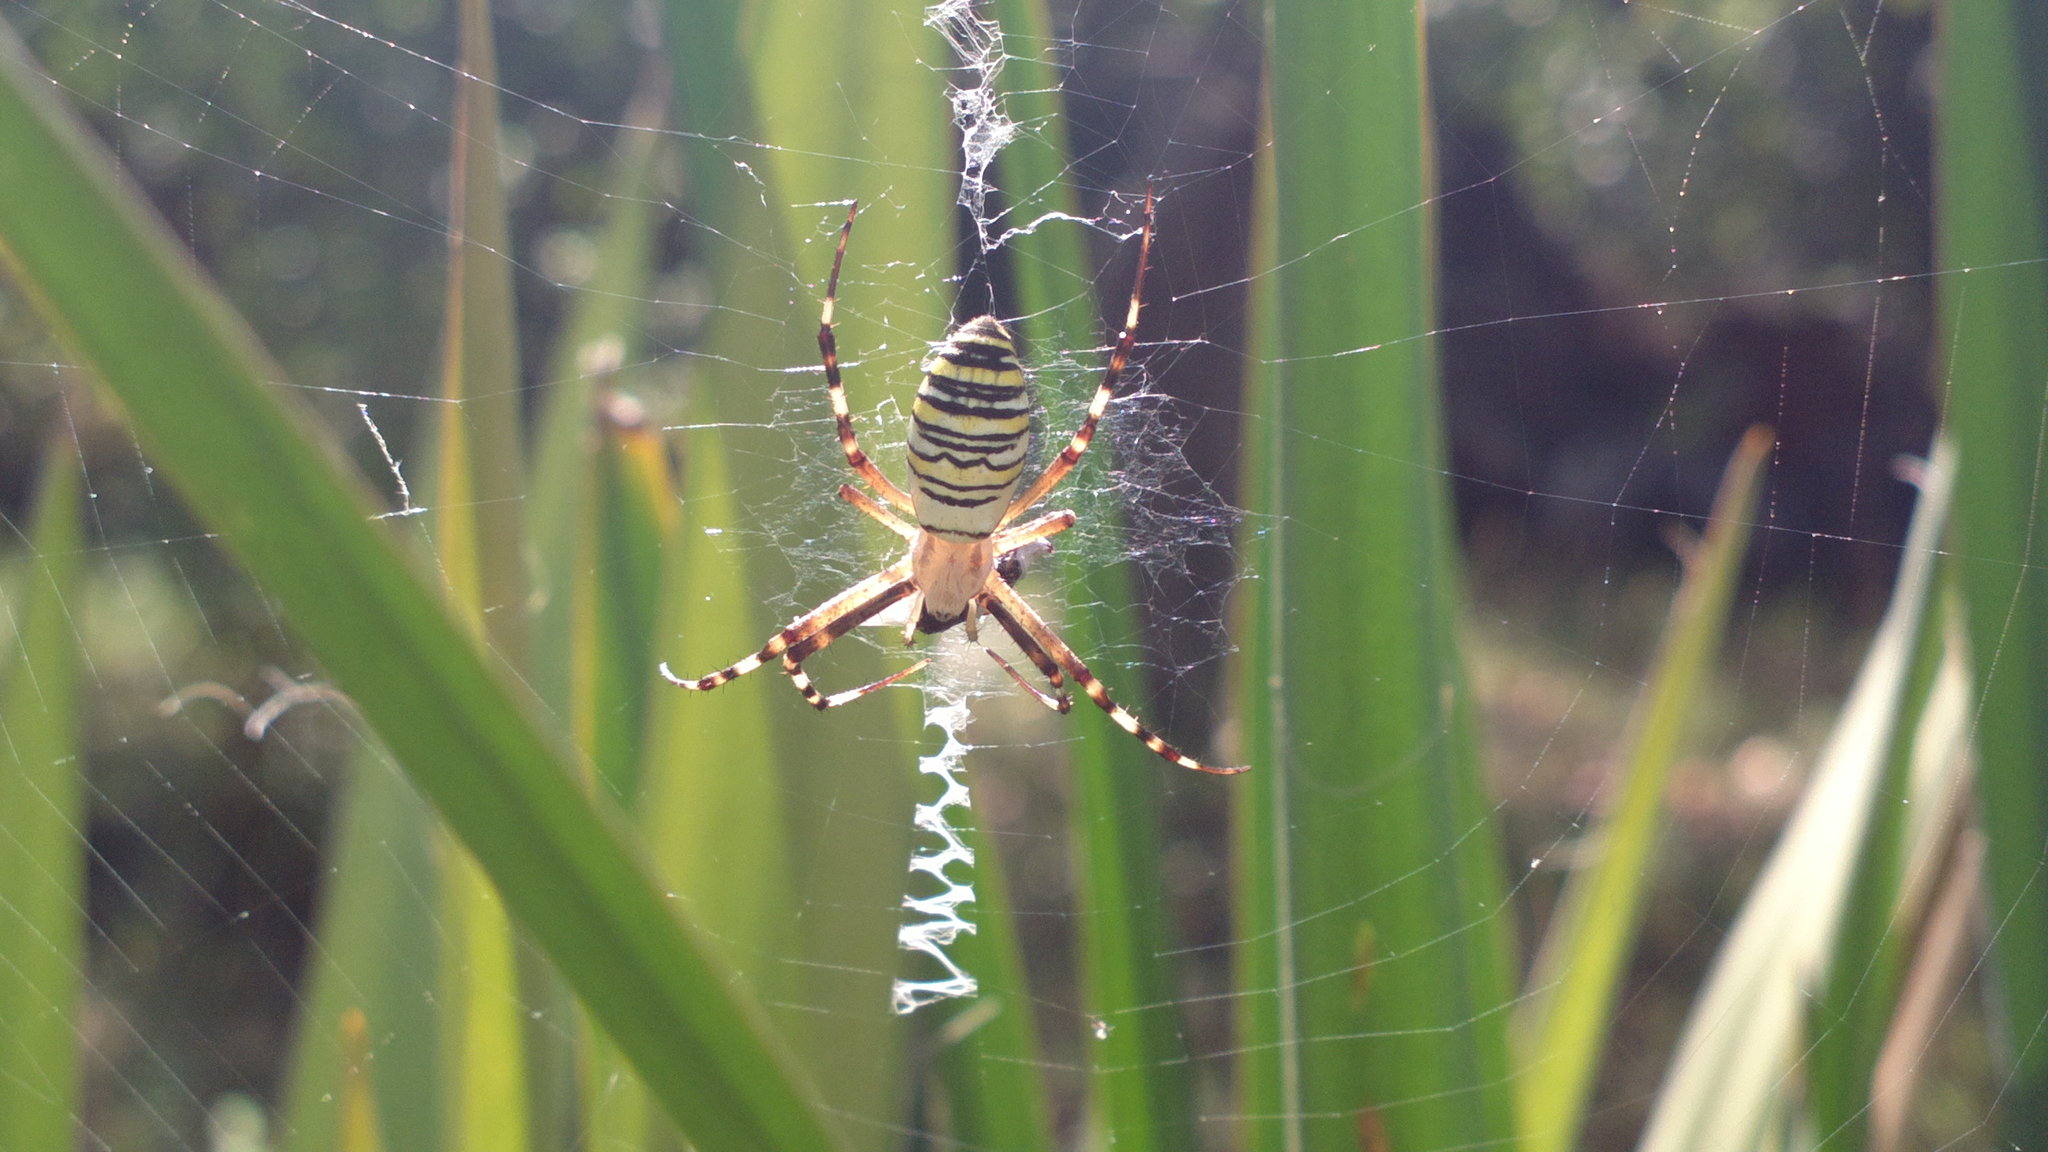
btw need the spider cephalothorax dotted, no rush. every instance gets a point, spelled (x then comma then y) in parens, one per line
(969, 430)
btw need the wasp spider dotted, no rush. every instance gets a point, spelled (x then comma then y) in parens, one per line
(968, 431)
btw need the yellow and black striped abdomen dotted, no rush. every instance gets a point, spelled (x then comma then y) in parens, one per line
(968, 432)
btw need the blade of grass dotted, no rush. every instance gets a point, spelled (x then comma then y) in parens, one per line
(847, 96)
(1261, 899)
(715, 786)
(42, 828)
(1052, 269)
(1866, 965)
(479, 479)
(1563, 1021)
(719, 830)
(1139, 1079)
(596, 563)
(200, 396)
(1727, 1084)
(376, 945)
(483, 1054)
(1140, 1073)
(481, 461)
(1377, 1016)
(989, 1055)
(784, 817)
(619, 594)
(596, 538)
(1992, 219)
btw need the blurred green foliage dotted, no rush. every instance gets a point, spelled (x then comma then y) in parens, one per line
(1657, 226)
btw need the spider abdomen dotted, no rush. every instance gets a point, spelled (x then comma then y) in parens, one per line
(969, 428)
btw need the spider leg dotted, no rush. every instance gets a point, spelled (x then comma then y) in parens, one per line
(1008, 542)
(829, 349)
(1057, 700)
(821, 702)
(1050, 524)
(868, 504)
(1125, 341)
(1039, 631)
(843, 612)
(817, 641)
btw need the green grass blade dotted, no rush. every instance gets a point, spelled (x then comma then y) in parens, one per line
(989, 1057)
(481, 466)
(1269, 1080)
(201, 398)
(1991, 165)
(865, 119)
(713, 806)
(1374, 963)
(596, 522)
(1729, 1074)
(1051, 270)
(376, 948)
(714, 785)
(1140, 1078)
(1570, 1003)
(483, 1052)
(636, 512)
(1140, 1085)
(595, 546)
(1866, 965)
(480, 477)
(996, 1095)
(42, 833)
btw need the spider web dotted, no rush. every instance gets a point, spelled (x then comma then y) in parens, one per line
(1660, 224)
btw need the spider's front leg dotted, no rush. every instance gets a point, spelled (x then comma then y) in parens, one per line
(1126, 340)
(828, 350)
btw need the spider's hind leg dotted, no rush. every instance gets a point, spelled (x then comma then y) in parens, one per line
(1057, 699)
(820, 701)
(857, 612)
(1002, 595)
(815, 629)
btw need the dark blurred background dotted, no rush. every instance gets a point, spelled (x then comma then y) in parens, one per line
(1655, 232)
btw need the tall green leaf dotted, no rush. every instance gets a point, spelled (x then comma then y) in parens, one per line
(990, 1055)
(376, 951)
(42, 836)
(1565, 1019)
(1373, 972)
(595, 526)
(1992, 220)
(846, 97)
(480, 475)
(1887, 891)
(595, 548)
